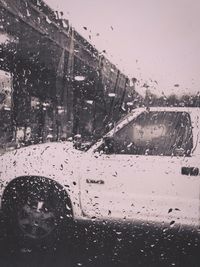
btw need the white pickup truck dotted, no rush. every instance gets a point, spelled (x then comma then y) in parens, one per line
(145, 170)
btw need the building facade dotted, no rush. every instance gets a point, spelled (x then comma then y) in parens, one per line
(58, 84)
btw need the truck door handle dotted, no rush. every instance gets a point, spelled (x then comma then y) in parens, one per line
(191, 171)
(92, 181)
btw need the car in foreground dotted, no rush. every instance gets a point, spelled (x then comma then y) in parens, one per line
(144, 171)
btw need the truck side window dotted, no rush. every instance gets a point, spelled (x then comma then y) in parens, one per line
(155, 133)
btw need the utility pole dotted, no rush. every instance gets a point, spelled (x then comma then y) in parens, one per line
(68, 90)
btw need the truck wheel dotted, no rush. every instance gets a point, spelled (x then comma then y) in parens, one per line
(38, 211)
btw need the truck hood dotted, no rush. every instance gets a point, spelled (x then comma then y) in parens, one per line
(49, 160)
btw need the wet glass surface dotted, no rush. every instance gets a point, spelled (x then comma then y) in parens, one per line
(99, 133)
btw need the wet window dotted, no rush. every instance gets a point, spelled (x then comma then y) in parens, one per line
(154, 133)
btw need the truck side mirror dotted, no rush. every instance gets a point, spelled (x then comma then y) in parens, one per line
(109, 145)
(77, 141)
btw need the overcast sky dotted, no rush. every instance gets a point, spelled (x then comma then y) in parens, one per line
(147, 39)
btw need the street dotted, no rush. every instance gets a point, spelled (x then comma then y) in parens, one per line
(132, 246)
